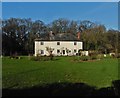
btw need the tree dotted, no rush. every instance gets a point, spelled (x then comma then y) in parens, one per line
(18, 35)
(50, 50)
(67, 50)
(10, 45)
(60, 26)
(84, 25)
(73, 28)
(112, 39)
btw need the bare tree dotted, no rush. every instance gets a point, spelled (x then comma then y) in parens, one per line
(67, 51)
(50, 50)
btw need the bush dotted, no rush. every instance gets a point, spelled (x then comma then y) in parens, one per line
(35, 58)
(84, 58)
(51, 56)
(99, 56)
(15, 57)
(118, 55)
(45, 58)
(41, 58)
(76, 58)
(93, 57)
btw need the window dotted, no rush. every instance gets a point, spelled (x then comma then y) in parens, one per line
(42, 43)
(75, 43)
(42, 51)
(58, 51)
(58, 43)
(63, 51)
(75, 50)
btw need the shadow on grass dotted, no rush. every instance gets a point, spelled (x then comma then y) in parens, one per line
(65, 89)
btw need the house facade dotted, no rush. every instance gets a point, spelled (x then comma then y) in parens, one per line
(59, 47)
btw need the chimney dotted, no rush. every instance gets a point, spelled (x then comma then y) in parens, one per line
(78, 35)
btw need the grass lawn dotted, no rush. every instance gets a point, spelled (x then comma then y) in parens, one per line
(22, 73)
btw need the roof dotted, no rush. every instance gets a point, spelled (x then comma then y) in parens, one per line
(56, 40)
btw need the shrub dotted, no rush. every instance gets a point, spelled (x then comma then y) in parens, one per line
(118, 55)
(84, 58)
(45, 58)
(51, 56)
(99, 56)
(113, 55)
(76, 58)
(93, 57)
(15, 57)
(41, 58)
(35, 58)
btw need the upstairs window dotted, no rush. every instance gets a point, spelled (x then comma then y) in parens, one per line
(75, 43)
(41, 43)
(58, 43)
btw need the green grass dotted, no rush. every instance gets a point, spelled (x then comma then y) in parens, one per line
(22, 73)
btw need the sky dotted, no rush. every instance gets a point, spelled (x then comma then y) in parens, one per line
(105, 13)
(60, 0)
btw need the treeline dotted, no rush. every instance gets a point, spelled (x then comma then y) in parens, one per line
(18, 35)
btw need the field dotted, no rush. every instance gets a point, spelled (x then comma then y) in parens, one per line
(24, 73)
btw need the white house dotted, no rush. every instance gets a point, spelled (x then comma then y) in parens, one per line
(60, 47)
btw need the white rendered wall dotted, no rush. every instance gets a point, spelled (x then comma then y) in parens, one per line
(53, 44)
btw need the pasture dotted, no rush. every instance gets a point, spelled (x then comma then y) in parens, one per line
(25, 73)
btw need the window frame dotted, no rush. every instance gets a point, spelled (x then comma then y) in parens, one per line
(75, 43)
(42, 52)
(58, 43)
(41, 43)
(58, 51)
(75, 50)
